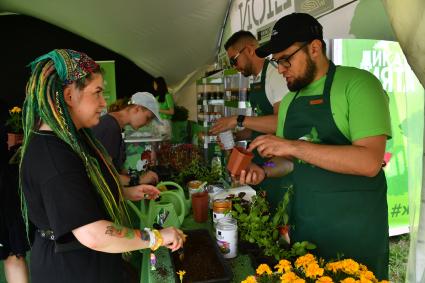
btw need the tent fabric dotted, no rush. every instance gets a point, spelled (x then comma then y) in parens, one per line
(408, 21)
(165, 38)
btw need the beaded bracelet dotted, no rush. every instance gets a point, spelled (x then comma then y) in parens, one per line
(152, 238)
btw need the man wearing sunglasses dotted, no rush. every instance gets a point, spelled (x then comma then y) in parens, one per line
(265, 94)
(332, 128)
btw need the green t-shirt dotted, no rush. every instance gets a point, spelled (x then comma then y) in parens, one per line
(358, 103)
(167, 104)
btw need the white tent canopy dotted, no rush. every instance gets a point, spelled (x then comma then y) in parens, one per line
(164, 38)
(178, 39)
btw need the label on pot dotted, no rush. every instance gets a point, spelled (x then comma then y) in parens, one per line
(227, 238)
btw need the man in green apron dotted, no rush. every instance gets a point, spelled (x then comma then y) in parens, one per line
(333, 126)
(265, 94)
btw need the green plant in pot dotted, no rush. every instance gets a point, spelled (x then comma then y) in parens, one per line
(258, 226)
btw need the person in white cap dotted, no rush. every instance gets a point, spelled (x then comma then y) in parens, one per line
(139, 111)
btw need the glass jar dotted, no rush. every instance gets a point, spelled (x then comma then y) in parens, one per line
(221, 209)
(227, 237)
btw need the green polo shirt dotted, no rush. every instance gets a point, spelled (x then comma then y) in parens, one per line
(359, 104)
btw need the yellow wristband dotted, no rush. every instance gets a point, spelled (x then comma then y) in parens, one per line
(158, 240)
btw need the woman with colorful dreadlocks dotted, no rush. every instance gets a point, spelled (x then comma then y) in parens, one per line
(72, 191)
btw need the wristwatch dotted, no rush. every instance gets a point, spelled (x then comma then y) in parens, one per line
(239, 121)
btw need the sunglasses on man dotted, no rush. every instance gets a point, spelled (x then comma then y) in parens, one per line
(234, 60)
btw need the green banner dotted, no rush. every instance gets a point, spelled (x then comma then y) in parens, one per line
(386, 61)
(108, 71)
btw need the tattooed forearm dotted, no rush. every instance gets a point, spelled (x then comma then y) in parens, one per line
(119, 231)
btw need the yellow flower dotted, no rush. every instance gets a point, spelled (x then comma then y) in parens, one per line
(288, 277)
(348, 280)
(313, 270)
(384, 281)
(250, 279)
(324, 279)
(367, 275)
(283, 265)
(348, 266)
(263, 268)
(15, 109)
(305, 260)
(181, 273)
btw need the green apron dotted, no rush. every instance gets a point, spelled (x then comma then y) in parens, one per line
(261, 105)
(342, 214)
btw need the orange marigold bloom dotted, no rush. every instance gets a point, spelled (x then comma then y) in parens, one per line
(263, 268)
(305, 260)
(348, 280)
(288, 277)
(367, 275)
(324, 279)
(283, 265)
(313, 270)
(250, 279)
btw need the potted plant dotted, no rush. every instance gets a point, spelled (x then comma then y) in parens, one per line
(308, 268)
(14, 126)
(258, 226)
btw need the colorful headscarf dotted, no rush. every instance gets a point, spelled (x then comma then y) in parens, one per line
(69, 64)
(44, 100)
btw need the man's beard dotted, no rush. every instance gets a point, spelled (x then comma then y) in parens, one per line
(247, 71)
(306, 78)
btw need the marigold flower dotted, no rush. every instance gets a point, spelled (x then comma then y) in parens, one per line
(288, 277)
(324, 279)
(15, 109)
(283, 265)
(313, 270)
(348, 280)
(263, 268)
(250, 279)
(305, 260)
(367, 275)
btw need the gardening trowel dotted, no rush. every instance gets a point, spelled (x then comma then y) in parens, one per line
(160, 220)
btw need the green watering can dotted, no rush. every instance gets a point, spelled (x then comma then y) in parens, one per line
(179, 192)
(171, 206)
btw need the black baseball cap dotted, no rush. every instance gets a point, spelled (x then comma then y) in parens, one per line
(295, 27)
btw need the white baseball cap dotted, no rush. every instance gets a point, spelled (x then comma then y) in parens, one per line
(147, 100)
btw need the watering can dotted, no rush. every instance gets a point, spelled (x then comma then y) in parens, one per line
(170, 202)
(179, 192)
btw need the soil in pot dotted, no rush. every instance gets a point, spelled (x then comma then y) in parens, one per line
(202, 260)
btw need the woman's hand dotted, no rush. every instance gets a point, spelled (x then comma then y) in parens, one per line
(173, 238)
(140, 192)
(149, 177)
(253, 175)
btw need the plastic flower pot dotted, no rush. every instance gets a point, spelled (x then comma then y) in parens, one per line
(200, 206)
(239, 160)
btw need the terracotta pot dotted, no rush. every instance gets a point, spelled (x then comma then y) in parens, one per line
(239, 160)
(14, 139)
(200, 206)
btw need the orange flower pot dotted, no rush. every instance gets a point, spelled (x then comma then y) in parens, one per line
(200, 207)
(239, 160)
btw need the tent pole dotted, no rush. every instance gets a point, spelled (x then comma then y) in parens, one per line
(220, 39)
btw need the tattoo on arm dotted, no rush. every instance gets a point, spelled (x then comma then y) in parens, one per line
(119, 231)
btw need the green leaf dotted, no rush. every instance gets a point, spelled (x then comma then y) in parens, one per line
(238, 208)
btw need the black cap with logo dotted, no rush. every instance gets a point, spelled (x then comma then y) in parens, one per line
(295, 27)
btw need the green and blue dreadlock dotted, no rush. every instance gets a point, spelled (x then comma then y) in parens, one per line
(44, 103)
